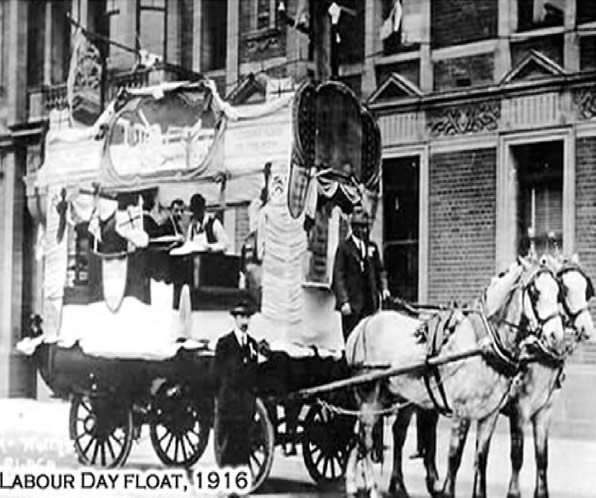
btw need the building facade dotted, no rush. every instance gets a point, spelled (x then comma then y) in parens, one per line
(486, 108)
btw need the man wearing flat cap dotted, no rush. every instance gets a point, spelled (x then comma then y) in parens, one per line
(359, 280)
(235, 389)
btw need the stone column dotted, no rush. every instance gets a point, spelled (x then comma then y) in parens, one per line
(297, 49)
(197, 19)
(426, 64)
(173, 50)
(232, 64)
(16, 73)
(47, 49)
(505, 27)
(14, 377)
(571, 51)
(372, 22)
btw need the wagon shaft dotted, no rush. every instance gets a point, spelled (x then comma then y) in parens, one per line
(384, 374)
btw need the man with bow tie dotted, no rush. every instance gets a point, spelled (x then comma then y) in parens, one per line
(359, 280)
(235, 390)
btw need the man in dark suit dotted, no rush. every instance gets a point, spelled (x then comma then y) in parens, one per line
(359, 280)
(235, 390)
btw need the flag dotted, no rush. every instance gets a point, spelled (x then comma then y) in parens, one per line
(83, 84)
(393, 21)
(302, 18)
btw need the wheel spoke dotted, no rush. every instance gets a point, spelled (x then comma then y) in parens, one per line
(167, 448)
(319, 458)
(95, 448)
(111, 450)
(84, 451)
(183, 447)
(103, 454)
(176, 448)
(119, 442)
(192, 445)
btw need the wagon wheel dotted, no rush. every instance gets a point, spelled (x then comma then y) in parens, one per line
(102, 430)
(326, 442)
(179, 433)
(262, 442)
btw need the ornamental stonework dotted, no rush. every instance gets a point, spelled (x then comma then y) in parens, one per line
(464, 119)
(585, 102)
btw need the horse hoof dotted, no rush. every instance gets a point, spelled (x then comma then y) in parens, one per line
(514, 494)
(397, 491)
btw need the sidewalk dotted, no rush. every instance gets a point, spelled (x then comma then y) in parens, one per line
(571, 472)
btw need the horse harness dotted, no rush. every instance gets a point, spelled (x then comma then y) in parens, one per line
(573, 315)
(438, 329)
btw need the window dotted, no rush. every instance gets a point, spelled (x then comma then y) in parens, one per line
(401, 177)
(111, 7)
(535, 14)
(540, 196)
(586, 11)
(35, 44)
(402, 26)
(263, 15)
(214, 35)
(151, 30)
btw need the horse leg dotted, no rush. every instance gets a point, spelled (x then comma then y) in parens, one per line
(486, 427)
(428, 420)
(351, 469)
(459, 432)
(540, 423)
(400, 430)
(516, 431)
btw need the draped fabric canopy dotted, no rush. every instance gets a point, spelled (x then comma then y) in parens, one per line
(180, 137)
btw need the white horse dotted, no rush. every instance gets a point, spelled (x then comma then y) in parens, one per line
(538, 389)
(524, 298)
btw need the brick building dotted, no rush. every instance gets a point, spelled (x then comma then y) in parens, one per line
(486, 109)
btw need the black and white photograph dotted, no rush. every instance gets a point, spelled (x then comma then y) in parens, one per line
(304, 248)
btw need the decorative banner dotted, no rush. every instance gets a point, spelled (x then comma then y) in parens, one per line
(114, 274)
(167, 136)
(83, 85)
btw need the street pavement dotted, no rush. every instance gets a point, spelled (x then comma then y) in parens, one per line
(37, 432)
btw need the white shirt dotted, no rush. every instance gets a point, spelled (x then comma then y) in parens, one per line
(360, 245)
(241, 337)
(196, 233)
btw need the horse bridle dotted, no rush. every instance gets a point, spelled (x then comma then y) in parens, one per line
(574, 315)
(529, 289)
(533, 293)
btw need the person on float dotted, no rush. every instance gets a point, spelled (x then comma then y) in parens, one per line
(359, 279)
(205, 229)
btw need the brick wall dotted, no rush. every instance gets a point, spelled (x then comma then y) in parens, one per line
(585, 204)
(459, 72)
(462, 224)
(551, 46)
(462, 21)
(408, 69)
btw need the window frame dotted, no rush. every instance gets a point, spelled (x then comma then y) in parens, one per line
(139, 10)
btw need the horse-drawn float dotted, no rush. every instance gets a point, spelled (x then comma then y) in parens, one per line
(129, 314)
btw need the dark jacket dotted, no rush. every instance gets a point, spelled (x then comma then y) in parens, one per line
(235, 397)
(356, 280)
